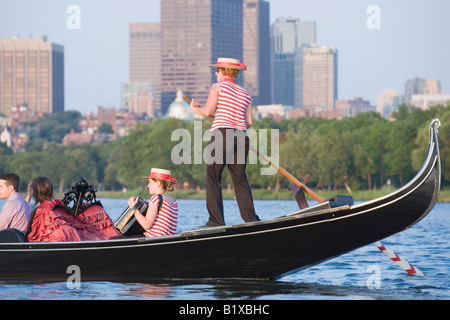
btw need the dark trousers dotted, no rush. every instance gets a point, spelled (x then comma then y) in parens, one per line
(233, 153)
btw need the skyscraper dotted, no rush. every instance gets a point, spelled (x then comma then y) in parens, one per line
(145, 65)
(284, 80)
(387, 102)
(256, 24)
(31, 74)
(414, 86)
(421, 86)
(289, 36)
(319, 77)
(194, 33)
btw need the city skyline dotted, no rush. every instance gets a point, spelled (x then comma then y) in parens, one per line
(410, 42)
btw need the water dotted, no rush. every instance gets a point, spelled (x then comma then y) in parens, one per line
(364, 274)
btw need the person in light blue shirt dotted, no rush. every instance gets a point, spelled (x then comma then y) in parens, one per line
(16, 211)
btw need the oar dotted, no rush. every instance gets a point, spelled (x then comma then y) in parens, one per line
(405, 265)
(294, 180)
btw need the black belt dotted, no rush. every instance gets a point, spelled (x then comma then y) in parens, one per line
(223, 129)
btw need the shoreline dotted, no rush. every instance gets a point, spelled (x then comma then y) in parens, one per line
(263, 194)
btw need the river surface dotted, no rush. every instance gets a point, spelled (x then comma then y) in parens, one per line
(363, 274)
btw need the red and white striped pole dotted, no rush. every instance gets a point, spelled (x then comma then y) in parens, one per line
(405, 265)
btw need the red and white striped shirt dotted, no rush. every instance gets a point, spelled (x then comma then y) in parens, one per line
(231, 106)
(166, 220)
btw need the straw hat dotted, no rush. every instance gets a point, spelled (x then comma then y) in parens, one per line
(160, 174)
(229, 63)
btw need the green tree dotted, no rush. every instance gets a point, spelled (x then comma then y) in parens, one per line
(366, 148)
(5, 156)
(398, 155)
(421, 145)
(55, 126)
(112, 167)
(105, 128)
(28, 165)
(149, 146)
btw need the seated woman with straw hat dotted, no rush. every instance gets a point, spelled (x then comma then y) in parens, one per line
(164, 222)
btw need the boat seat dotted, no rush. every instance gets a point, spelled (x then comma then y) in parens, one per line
(11, 236)
(340, 200)
(334, 202)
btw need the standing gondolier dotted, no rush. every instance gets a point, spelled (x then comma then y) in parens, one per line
(232, 106)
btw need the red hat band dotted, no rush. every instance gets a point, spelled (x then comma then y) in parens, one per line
(158, 175)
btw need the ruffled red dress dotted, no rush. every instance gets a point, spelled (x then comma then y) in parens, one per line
(57, 224)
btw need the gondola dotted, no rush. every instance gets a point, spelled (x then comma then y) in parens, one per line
(257, 250)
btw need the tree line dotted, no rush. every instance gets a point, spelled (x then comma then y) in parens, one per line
(359, 153)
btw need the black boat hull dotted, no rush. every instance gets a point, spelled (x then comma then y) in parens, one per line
(257, 250)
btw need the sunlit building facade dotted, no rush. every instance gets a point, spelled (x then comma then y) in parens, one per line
(320, 86)
(31, 75)
(256, 42)
(145, 65)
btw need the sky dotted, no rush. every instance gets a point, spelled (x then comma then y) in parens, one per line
(377, 50)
